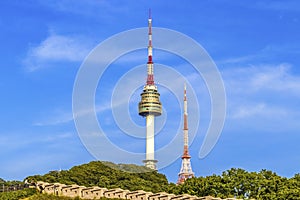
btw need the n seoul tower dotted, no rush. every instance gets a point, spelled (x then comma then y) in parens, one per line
(186, 168)
(150, 105)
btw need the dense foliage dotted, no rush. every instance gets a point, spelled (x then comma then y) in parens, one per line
(10, 183)
(16, 195)
(52, 197)
(33, 194)
(109, 175)
(263, 185)
(239, 183)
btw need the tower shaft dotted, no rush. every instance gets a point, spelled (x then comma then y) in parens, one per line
(150, 105)
(150, 162)
(186, 167)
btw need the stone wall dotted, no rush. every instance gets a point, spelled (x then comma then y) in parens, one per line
(97, 192)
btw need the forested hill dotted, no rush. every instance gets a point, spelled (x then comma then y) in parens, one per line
(108, 175)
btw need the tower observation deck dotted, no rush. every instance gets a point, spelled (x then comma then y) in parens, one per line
(150, 105)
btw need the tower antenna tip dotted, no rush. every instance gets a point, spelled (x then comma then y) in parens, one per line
(150, 13)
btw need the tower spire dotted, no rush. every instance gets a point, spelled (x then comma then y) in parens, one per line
(150, 76)
(186, 167)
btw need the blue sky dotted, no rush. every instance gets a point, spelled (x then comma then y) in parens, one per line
(255, 45)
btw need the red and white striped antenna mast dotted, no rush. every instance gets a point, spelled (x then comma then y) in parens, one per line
(150, 76)
(186, 167)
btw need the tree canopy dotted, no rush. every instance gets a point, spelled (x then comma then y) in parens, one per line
(16, 195)
(108, 175)
(239, 183)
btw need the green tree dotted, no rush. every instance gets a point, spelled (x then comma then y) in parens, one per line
(108, 175)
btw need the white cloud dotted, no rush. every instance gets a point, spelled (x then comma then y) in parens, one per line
(270, 51)
(246, 111)
(259, 110)
(57, 48)
(59, 117)
(255, 79)
(269, 92)
(278, 78)
(237, 59)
